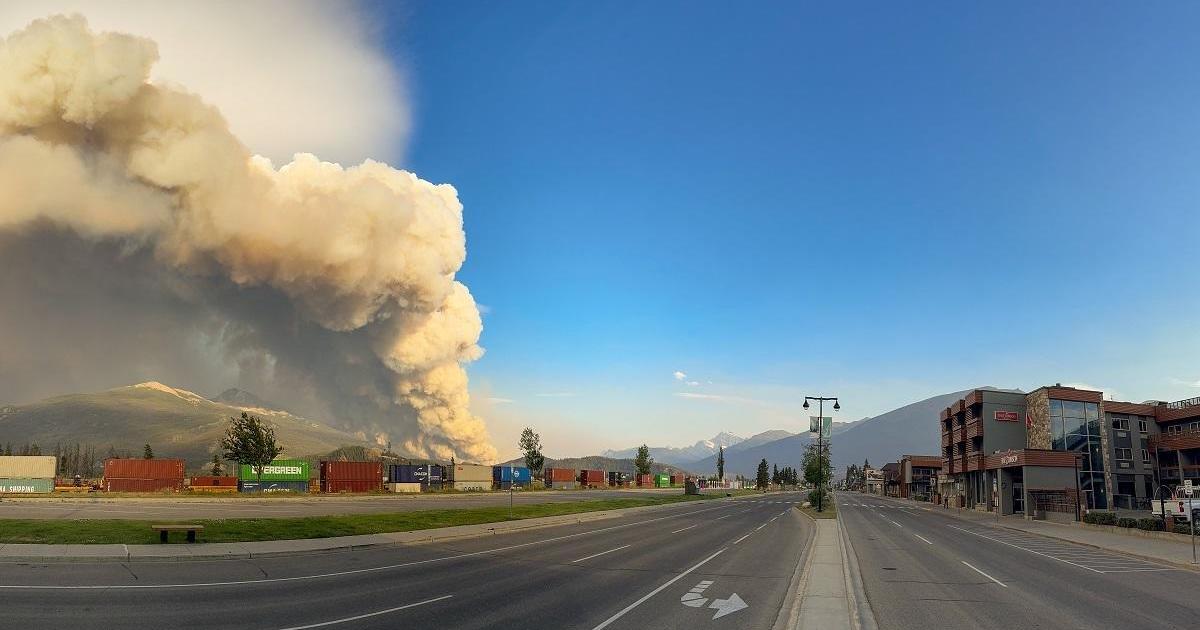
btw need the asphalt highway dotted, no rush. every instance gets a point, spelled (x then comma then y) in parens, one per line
(712, 564)
(101, 506)
(925, 569)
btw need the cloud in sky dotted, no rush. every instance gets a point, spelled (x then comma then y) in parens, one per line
(500, 401)
(693, 383)
(679, 376)
(290, 76)
(718, 398)
(1185, 382)
(555, 395)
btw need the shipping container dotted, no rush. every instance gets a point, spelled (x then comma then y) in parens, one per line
(662, 481)
(144, 469)
(677, 479)
(247, 485)
(26, 485)
(591, 478)
(121, 484)
(213, 489)
(403, 488)
(416, 473)
(506, 474)
(471, 472)
(28, 467)
(334, 486)
(352, 471)
(471, 486)
(645, 481)
(431, 486)
(559, 474)
(278, 470)
(209, 481)
(618, 479)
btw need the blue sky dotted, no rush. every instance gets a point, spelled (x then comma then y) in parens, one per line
(878, 202)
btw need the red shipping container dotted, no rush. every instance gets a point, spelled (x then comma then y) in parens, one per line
(214, 482)
(560, 474)
(144, 468)
(591, 478)
(352, 471)
(645, 480)
(677, 479)
(119, 484)
(351, 485)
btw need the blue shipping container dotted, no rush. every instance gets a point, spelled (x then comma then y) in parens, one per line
(272, 486)
(505, 474)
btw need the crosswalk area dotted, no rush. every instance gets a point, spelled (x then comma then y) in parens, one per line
(765, 502)
(1089, 558)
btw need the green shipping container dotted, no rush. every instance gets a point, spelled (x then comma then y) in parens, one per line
(662, 481)
(26, 485)
(278, 470)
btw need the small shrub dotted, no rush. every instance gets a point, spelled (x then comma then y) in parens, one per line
(1127, 522)
(1100, 518)
(1150, 524)
(813, 496)
(1183, 528)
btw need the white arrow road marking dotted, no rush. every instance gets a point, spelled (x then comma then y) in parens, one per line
(727, 606)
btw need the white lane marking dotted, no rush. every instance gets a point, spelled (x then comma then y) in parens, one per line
(726, 516)
(923, 538)
(597, 555)
(741, 539)
(1129, 562)
(373, 614)
(976, 569)
(1024, 549)
(607, 622)
(895, 523)
(684, 529)
(85, 587)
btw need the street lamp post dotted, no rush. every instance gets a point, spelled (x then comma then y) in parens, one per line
(821, 443)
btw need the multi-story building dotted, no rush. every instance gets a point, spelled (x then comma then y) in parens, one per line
(891, 479)
(1038, 453)
(918, 474)
(873, 481)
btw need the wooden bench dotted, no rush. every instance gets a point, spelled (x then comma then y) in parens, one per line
(163, 530)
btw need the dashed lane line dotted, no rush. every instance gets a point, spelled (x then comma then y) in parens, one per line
(976, 569)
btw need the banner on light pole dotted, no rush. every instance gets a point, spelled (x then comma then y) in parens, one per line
(824, 425)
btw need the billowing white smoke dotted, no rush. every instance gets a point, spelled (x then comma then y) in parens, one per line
(340, 281)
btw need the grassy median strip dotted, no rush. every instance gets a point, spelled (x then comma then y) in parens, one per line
(251, 529)
(830, 510)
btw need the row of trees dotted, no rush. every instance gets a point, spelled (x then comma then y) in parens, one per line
(530, 444)
(856, 476)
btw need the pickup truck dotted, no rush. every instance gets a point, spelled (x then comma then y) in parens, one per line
(1179, 508)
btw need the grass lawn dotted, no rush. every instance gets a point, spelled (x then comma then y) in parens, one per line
(242, 530)
(829, 512)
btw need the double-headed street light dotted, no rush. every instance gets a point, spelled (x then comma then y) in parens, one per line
(821, 443)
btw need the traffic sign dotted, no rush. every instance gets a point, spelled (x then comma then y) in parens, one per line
(1187, 487)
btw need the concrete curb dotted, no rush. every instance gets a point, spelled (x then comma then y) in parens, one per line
(789, 613)
(13, 552)
(863, 615)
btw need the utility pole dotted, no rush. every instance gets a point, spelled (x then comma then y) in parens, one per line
(821, 443)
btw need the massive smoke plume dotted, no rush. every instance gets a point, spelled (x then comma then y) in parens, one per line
(135, 229)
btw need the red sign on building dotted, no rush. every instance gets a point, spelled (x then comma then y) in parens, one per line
(1007, 416)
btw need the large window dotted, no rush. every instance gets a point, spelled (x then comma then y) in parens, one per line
(1075, 426)
(1124, 454)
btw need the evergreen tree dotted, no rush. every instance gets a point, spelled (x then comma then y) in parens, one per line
(764, 473)
(147, 452)
(643, 462)
(721, 463)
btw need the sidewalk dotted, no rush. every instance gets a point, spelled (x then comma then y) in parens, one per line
(829, 594)
(1174, 552)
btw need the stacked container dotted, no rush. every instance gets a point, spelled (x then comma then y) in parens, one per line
(339, 476)
(645, 481)
(27, 473)
(281, 475)
(468, 477)
(662, 481)
(143, 475)
(426, 476)
(560, 478)
(591, 478)
(506, 476)
(213, 484)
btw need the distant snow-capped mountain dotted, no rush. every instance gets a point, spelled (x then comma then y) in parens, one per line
(681, 455)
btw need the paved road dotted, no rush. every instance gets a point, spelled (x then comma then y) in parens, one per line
(99, 506)
(631, 573)
(924, 569)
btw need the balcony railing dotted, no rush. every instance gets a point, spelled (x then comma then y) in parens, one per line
(1185, 403)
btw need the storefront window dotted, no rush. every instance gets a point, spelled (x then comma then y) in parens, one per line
(1072, 409)
(1056, 408)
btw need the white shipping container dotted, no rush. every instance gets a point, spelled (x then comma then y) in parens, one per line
(466, 486)
(472, 472)
(30, 466)
(403, 487)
